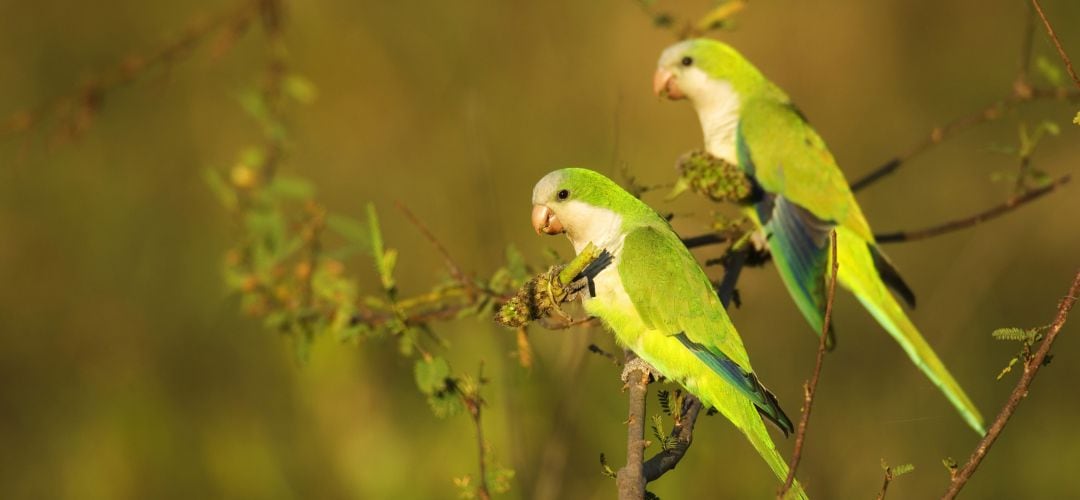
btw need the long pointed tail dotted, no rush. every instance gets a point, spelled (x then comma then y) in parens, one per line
(858, 273)
(742, 412)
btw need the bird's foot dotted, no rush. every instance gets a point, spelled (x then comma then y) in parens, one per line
(638, 364)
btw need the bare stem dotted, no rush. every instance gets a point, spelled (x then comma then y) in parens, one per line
(78, 108)
(451, 265)
(1031, 368)
(810, 387)
(994, 212)
(939, 134)
(1057, 43)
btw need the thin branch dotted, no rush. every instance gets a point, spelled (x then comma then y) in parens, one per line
(1031, 368)
(810, 387)
(705, 239)
(475, 405)
(631, 478)
(1057, 43)
(940, 134)
(80, 106)
(451, 265)
(994, 212)
(595, 349)
(885, 485)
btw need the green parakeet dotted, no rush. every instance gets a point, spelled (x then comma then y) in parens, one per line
(800, 195)
(658, 301)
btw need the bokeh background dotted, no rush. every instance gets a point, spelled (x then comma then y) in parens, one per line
(128, 371)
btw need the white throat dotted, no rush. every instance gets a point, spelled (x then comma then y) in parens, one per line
(591, 224)
(718, 109)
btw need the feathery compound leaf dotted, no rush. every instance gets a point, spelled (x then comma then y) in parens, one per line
(663, 396)
(900, 470)
(658, 428)
(1010, 333)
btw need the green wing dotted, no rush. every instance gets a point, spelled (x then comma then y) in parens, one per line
(674, 296)
(773, 133)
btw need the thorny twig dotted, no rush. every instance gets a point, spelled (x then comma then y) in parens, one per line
(1031, 368)
(810, 388)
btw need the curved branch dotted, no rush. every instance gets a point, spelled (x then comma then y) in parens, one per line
(940, 134)
(666, 460)
(1031, 368)
(994, 212)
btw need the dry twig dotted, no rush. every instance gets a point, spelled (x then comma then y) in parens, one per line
(994, 212)
(1057, 43)
(1031, 368)
(810, 387)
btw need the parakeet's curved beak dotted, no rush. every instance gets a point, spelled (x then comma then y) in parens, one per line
(664, 84)
(545, 221)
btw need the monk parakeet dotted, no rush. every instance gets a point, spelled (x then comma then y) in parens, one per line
(800, 195)
(658, 301)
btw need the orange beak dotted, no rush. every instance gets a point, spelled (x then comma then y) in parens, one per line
(545, 221)
(664, 84)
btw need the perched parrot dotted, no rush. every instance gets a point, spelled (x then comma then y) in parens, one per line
(800, 195)
(658, 301)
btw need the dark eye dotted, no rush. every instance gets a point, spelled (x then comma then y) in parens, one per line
(687, 61)
(564, 194)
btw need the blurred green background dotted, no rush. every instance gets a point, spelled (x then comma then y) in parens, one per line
(128, 371)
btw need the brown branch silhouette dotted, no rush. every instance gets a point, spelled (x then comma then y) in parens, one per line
(1031, 368)
(1057, 43)
(940, 134)
(78, 108)
(991, 213)
(810, 387)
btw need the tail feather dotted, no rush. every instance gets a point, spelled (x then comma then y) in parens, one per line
(859, 274)
(744, 414)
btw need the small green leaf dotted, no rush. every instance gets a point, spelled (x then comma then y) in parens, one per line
(300, 88)
(431, 374)
(295, 188)
(1039, 178)
(1049, 71)
(224, 193)
(350, 229)
(386, 269)
(515, 264)
(446, 404)
(1076, 119)
(606, 469)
